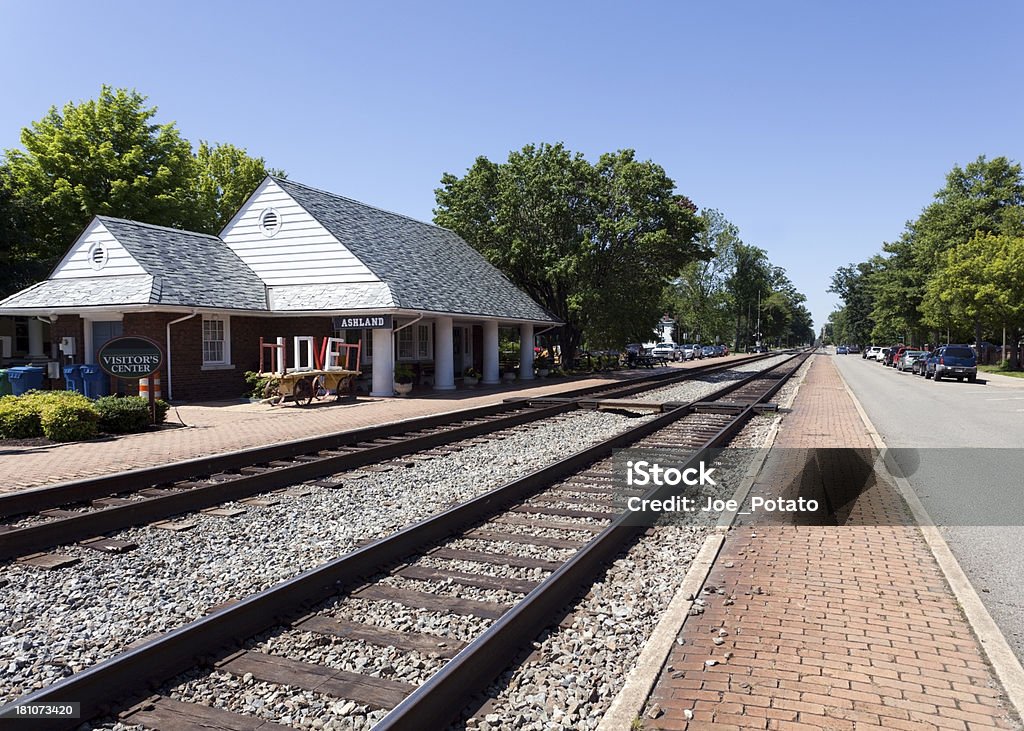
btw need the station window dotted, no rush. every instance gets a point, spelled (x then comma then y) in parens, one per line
(216, 340)
(415, 342)
(406, 344)
(21, 335)
(424, 348)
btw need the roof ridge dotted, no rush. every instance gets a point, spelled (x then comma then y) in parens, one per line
(133, 222)
(288, 181)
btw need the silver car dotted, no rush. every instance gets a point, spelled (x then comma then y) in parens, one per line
(906, 362)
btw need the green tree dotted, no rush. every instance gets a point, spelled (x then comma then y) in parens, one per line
(749, 286)
(854, 285)
(594, 244)
(980, 281)
(224, 177)
(103, 156)
(698, 297)
(107, 156)
(986, 196)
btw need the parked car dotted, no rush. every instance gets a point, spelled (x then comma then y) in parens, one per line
(891, 353)
(666, 350)
(880, 356)
(853, 348)
(920, 361)
(842, 350)
(719, 350)
(873, 352)
(690, 351)
(952, 361)
(708, 351)
(905, 362)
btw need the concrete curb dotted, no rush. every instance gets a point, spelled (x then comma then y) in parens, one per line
(630, 700)
(1006, 665)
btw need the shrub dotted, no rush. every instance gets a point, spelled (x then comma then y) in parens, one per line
(69, 420)
(19, 419)
(256, 382)
(123, 415)
(162, 407)
(403, 373)
(128, 414)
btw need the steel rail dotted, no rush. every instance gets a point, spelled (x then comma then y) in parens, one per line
(33, 499)
(440, 700)
(130, 673)
(26, 540)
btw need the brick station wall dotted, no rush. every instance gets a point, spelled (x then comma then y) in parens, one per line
(191, 382)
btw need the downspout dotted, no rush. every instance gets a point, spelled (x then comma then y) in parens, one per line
(170, 387)
(394, 333)
(411, 322)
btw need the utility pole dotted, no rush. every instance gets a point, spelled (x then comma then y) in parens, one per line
(758, 333)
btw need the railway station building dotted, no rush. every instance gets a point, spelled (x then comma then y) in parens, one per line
(294, 261)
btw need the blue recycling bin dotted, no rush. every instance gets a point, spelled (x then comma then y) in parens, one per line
(25, 378)
(73, 377)
(95, 382)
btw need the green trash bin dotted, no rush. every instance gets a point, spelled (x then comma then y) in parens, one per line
(5, 383)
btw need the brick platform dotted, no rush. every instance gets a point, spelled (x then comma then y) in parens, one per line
(835, 622)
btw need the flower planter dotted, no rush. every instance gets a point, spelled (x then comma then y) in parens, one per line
(402, 389)
(509, 377)
(543, 372)
(469, 381)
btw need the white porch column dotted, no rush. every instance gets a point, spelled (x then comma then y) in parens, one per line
(526, 352)
(444, 355)
(490, 344)
(35, 337)
(383, 363)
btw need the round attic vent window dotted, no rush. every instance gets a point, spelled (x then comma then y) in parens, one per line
(270, 222)
(98, 256)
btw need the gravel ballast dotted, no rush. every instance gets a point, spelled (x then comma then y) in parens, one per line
(56, 623)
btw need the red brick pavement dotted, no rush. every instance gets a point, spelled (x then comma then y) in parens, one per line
(828, 626)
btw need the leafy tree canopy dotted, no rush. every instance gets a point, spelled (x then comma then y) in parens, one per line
(595, 244)
(108, 156)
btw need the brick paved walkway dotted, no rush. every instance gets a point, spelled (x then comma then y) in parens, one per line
(824, 625)
(227, 427)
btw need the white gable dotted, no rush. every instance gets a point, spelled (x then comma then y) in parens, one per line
(301, 251)
(96, 253)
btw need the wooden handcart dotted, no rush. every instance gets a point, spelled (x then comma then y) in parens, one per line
(329, 370)
(304, 386)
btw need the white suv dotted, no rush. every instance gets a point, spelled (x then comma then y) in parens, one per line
(666, 350)
(875, 352)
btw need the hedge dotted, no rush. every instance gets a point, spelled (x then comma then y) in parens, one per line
(65, 416)
(123, 415)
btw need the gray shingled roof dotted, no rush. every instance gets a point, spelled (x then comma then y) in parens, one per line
(189, 269)
(134, 289)
(349, 296)
(427, 267)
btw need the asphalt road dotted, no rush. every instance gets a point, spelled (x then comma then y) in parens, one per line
(960, 447)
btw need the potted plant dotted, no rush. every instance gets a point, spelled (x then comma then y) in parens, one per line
(508, 374)
(543, 365)
(471, 377)
(403, 379)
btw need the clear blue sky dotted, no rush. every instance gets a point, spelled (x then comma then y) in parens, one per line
(817, 127)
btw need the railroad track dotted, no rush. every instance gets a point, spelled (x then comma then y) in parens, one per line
(85, 510)
(570, 507)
